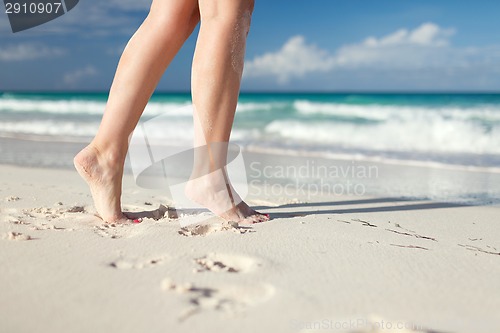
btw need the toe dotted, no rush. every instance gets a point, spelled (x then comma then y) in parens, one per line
(121, 219)
(258, 218)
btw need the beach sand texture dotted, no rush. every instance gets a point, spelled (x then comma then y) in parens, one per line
(343, 264)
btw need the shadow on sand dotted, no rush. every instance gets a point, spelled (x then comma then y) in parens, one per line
(315, 208)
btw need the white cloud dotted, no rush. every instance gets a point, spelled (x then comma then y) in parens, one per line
(294, 59)
(29, 51)
(72, 78)
(425, 47)
(428, 34)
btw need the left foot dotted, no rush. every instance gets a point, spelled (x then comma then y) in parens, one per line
(104, 176)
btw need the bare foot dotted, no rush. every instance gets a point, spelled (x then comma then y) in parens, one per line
(104, 177)
(212, 192)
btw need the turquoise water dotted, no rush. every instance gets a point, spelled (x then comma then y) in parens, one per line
(451, 129)
(444, 147)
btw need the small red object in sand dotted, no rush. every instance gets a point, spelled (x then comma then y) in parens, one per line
(137, 221)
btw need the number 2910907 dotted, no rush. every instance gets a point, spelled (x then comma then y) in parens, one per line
(33, 8)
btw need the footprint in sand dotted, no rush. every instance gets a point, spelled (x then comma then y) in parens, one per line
(139, 263)
(16, 236)
(16, 219)
(44, 212)
(209, 228)
(49, 213)
(12, 198)
(39, 218)
(76, 209)
(229, 298)
(161, 212)
(223, 262)
(45, 226)
(115, 230)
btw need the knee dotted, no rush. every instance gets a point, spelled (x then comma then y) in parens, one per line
(229, 14)
(249, 6)
(181, 18)
(246, 15)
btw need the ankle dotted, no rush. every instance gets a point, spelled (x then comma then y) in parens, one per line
(112, 155)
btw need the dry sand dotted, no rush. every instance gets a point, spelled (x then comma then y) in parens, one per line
(333, 265)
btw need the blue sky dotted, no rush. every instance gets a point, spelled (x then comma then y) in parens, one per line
(327, 45)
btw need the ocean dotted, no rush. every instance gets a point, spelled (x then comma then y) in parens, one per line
(447, 132)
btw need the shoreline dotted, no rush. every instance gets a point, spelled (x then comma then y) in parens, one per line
(469, 185)
(279, 151)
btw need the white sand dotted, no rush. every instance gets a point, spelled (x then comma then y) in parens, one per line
(316, 266)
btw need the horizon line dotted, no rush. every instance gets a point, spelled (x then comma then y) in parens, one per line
(395, 92)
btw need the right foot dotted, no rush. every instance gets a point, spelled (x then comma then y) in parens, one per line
(104, 177)
(212, 192)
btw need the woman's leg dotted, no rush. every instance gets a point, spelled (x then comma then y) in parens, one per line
(216, 76)
(144, 60)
